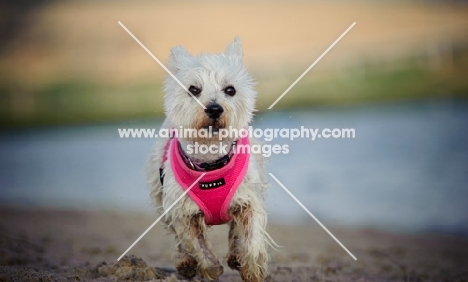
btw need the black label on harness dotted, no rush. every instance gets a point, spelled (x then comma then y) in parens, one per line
(213, 184)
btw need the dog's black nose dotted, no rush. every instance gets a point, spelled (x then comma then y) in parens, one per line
(214, 111)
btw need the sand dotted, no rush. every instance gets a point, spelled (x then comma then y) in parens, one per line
(58, 245)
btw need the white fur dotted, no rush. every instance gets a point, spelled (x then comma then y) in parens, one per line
(212, 73)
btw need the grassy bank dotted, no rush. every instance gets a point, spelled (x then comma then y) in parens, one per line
(75, 102)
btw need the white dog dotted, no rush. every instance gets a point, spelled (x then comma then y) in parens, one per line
(233, 186)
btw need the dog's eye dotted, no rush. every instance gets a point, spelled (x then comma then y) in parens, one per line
(194, 90)
(231, 91)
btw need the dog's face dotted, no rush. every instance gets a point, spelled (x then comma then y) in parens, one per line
(219, 81)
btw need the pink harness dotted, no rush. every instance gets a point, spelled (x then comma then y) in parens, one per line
(213, 193)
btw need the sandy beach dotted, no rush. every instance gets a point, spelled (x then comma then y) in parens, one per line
(59, 245)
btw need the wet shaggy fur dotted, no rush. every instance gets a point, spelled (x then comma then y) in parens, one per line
(248, 238)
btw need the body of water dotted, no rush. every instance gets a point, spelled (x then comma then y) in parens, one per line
(406, 168)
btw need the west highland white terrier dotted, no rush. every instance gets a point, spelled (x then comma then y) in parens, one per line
(232, 188)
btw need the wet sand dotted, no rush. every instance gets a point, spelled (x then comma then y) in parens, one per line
(59, 245)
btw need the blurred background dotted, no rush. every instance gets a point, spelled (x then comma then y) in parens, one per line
(70, 76)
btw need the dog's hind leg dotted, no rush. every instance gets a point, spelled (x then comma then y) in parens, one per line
(248, 243)
(194, 249)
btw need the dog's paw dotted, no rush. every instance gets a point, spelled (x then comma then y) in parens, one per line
(247, 276)
(212, 272)
(233, 262)
(254, 270)
(187, 267)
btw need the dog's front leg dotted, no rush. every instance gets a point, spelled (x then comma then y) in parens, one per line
(248, 243)
(194, 250)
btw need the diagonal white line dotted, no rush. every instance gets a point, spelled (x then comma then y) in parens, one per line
(159, 218)
(318, 221)
(161, 64)
(311, 66)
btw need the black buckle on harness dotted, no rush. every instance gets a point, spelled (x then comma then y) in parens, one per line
(161, 175)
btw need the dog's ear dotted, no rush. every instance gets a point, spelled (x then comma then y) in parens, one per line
(234, 49)
(179, 57)
(179, 52)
